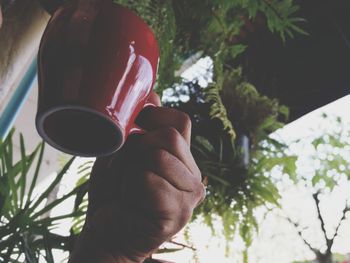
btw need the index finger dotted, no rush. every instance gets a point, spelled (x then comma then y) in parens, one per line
(154, 118)
(154, 99)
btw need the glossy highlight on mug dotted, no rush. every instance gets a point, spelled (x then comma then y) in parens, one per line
(97, 66)
(138, 71)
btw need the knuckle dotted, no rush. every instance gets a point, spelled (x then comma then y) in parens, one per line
(185, 121)
(173, 136)
(198, 173)
(179, 220)
(159, 156)
(200, 192)
(166, 228)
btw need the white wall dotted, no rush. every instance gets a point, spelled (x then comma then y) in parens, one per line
(25, 124)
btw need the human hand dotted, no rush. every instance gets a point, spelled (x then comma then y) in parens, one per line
(144, 194)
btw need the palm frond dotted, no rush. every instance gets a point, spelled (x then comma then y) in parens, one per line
(21, 223)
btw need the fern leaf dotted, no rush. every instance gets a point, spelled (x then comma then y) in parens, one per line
(218, 111)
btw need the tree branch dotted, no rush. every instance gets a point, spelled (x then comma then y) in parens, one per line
(319, 215)
(181, 244)
(346, 209)
(296, 225)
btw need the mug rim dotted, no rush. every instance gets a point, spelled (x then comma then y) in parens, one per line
(42, 116)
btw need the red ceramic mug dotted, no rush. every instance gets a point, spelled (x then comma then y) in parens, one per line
(97, 66)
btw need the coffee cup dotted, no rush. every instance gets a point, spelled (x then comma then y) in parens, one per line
(97, 65)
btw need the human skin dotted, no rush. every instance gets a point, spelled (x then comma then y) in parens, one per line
(142, 195)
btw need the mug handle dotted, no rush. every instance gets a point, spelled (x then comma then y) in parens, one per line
(152, 101)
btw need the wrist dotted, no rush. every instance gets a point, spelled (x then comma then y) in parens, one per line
(89, 249)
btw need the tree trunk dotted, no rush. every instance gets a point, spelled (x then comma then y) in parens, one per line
(324, 258)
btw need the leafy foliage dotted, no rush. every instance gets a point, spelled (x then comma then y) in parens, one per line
(237, 173)
(185, 27)
(217, 28)
(81, 199)
(219, 111)
(234, 191)
(239, 104)
(200, 23)
(25, 227)
(329, 156)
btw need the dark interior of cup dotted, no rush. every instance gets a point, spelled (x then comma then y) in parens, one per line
(81, 132)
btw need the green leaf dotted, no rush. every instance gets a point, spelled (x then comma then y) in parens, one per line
(330, 183)
(82, 190)
(218, 179)
(41, 146)
(204, 147)
(290, 167)
(315, 179)
(316, 142)
(52, 186)
(253, 8)
(284, 111)
(28, 252)
(7, 255)
(267, 194)
(218, 110)
(26, 163)
(8, 150)
(246, 233)
(55, 203)
(48, 252)
(84, 168)
(299, 30)
(78, 224)
(11, 177)
(22, 180)
(50, 220)
(238, 49)
(335, 141)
